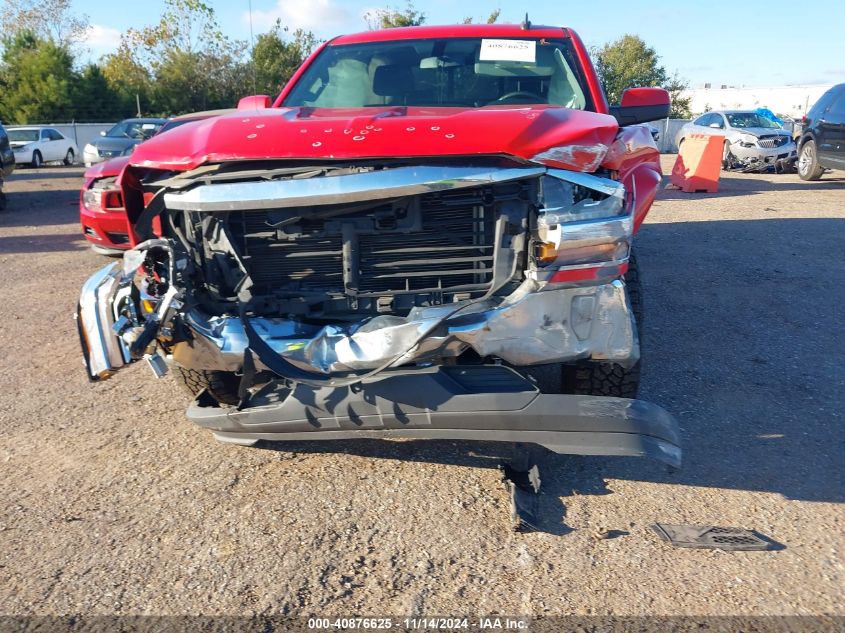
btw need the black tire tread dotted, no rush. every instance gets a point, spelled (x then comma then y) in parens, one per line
(818, 170)
(610, 379)
(222, 385)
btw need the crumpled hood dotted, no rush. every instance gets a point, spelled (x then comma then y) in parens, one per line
(107, 168)
(762, 131)
(571, 139)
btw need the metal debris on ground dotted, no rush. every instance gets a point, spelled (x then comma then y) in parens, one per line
(524, 488)
(711, 537)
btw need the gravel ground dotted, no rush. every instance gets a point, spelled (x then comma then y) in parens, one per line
(113, 503)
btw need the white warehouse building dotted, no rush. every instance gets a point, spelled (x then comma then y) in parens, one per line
(793, 101)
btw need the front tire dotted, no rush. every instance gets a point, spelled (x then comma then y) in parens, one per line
(808, 162)
(221, 385)
(37, 160)
(69, 157)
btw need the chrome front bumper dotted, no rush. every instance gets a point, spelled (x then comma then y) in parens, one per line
(527, 328)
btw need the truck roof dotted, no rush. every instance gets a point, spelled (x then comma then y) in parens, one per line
(453, 30)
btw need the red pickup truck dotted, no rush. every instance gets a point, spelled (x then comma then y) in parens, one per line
(428, 234)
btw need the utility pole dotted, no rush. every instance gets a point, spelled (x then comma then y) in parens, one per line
(138, 103)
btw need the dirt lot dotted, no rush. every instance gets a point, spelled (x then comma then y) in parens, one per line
(113, 503)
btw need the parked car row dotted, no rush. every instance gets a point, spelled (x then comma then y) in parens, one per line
(36, 145)
(101, 211)
(815, 143)
(121, 139)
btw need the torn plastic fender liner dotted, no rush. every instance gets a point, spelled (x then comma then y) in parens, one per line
(480, 403)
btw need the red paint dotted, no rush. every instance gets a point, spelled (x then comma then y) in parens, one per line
(387, 132)
(254, 102)
(636, 159)
(452, 31)
(113, 218)
(590, 76)
(633, 97)
(556, 136)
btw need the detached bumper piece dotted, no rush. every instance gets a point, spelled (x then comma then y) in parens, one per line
(479, 403)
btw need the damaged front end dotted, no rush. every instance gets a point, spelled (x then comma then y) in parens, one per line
(381, 300)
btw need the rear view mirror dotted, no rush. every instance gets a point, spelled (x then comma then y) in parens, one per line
(715, 125)
(640, 105)
(254, 102)
(102, 132)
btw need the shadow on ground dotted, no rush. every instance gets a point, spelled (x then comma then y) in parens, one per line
(46, 243)
(735, 186)
(742, 342)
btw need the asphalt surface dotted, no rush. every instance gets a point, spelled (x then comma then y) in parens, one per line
(112, 503)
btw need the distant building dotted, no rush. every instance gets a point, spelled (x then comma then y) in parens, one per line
(793, 101)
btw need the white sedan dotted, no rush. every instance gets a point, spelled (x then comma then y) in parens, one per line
(38, 145)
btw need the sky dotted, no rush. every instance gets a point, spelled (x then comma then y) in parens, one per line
(719, 42)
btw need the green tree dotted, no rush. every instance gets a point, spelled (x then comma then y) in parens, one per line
(628, 63)
(131, 80)
(192, 65)
(681, 99)
(276, 56)
(36, 80)
(96, 100)
(389, 17)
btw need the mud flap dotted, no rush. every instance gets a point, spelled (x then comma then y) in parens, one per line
(481, 403)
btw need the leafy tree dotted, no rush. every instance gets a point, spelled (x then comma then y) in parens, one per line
(96, 100)
(128, 77)
(629, 62)
(491, 19)
(36, 80)
(193, 66)
(626, 63)
(48, 20)
(275, 57)
(681, 99)
(389, 17)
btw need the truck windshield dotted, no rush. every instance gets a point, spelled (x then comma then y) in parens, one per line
(449, 72)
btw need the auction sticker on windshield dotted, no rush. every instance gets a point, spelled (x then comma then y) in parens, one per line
(508, 51)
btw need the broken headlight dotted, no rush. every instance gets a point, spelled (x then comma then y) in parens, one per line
(584, 229)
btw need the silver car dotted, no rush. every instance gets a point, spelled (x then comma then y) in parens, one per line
(751, 140)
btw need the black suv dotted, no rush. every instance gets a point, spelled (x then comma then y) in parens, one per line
(7, 163)
(822, 142)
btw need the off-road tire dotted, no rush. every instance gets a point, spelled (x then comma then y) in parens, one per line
(594, 378)
(37, 160)
(221, 385)
(69, 157)
(808, 162)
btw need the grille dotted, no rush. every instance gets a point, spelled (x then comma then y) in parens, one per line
(773, 141)
(454, 250)
(445, 242)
